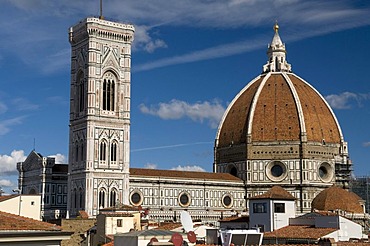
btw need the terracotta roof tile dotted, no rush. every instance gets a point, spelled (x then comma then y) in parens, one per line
(11, 222)
(168, 226)
(182, 174)
(276, 192)
(299, 232)
(83, 214)
(336, 198)
(275, 95)
(235, 219)
(4, 198)
(121, 208)
(109, 244)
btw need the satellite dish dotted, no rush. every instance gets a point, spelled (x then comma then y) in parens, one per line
(192, 237)
(177, 239)
(186, 221)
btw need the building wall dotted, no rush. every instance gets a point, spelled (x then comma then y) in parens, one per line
(301, 177)
(280, 220)
(347, 228)
(23, 205)
(207, 199)
(259, 214)
(262, 212)
(40, 175)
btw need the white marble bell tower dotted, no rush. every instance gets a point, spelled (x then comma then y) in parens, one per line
(99, 130)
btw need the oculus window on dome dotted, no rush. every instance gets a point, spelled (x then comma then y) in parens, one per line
(276, 171)
(326, 172)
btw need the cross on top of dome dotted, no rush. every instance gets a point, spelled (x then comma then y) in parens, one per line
(276, 55)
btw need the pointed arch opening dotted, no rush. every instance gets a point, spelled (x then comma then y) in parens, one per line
(109, 89)
(113, 197)
(81, 198)
(113, 151)
(80, 82)
(103, 150)
(102, 195)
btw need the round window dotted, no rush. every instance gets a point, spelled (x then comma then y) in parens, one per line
(325, 172)
(276, 171)
(227, 201)
(184, 199)
(136, 198)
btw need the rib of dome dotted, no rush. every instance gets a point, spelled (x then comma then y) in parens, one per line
(280, 107)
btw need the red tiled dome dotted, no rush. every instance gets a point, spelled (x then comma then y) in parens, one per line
(335, 198)
(278, 107)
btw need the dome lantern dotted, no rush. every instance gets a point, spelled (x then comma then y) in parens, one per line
(276, 55)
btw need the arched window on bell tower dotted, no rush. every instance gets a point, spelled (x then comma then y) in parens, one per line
(81, 200)
(113, 152)
(80, 92)
(103, 151)
(108, 91)
(113, 198)
(102, 198)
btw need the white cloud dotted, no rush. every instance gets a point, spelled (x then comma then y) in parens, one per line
(59, 158)
(5, 125)
(189, 168)
(150, 166)
(303, 18)
(176, 109)
(143, 41)
(6, 183)
(205, 54)
(169, 146)
(8, 164)
(58, 100)
(3, 108)
(366, 144)
(345, 100)
(58, 61)
(23, 104)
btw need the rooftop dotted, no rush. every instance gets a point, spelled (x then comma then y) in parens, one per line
(182, 174)
(276, 192)
(299, 232)
(11, 222)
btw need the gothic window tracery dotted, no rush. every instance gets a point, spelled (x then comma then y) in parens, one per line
(103, 151)
(113, 151)
(80, 92)
(75, 197)
(108, 92)
(81, 197)
(76, 154)
(113, 198)
(102, 198)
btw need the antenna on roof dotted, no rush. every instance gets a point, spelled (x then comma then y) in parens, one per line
(34, 144)
(101, 10)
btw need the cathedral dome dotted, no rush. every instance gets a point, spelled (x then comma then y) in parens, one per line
(279, 108)
(336, 198)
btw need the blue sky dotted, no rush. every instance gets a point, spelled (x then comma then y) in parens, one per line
(190, 58)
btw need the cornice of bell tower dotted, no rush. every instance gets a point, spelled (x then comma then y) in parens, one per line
(103, 29)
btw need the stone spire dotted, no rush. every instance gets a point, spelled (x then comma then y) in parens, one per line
(276, 54)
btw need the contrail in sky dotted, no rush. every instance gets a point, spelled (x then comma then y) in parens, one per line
(169, 146)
